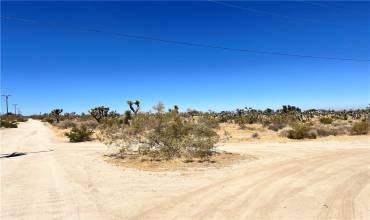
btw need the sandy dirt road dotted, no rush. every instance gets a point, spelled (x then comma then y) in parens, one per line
(301, 180)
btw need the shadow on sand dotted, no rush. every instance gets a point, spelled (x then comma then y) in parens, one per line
(17, 154)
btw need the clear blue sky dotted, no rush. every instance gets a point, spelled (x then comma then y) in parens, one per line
(50, 67)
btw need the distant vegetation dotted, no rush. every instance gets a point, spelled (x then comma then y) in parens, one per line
(11, 120)
(163, 134)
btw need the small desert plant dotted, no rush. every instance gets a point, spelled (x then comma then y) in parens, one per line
(255, 135)
(55, 113)
(360, 128)
(79, 134)
(300, 131)
(326, 120)
(99, 113)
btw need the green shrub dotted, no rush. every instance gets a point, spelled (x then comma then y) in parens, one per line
(300, 131)
(360, 128)
(162, 135)
(8, 124)
(326, 120)
(79, 134)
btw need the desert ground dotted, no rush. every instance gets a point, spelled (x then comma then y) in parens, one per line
(315, 179)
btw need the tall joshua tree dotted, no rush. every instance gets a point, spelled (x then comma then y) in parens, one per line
(55, 113)
(134, 106)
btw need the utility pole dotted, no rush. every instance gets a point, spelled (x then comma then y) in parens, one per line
(15, 109)
(6, 99)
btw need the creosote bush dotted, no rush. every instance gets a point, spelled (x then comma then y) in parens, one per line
(301, 131)
(360, 128)
(161, 136)
(79, 134)
(326, 120)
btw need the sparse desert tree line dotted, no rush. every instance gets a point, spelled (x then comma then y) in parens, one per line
(166, 134)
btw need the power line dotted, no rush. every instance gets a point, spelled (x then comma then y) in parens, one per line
(333, 8)
(258, 11)
(184, 43)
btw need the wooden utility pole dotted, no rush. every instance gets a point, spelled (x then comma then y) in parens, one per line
(6, 99)
(15, 109)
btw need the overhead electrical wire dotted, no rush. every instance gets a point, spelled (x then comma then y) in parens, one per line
(258, 11)
(333, 8)
(184, 43)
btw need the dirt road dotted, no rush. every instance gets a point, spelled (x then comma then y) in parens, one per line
(302, 180)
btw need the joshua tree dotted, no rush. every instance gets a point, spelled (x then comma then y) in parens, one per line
(134, 106)
(56, 114)
(99, 113)
(176, 108)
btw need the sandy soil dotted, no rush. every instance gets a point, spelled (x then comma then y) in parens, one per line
(321, 179)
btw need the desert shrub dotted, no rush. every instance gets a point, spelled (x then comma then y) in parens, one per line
(162, 135)
(14, 118)
(300, 131)
(326, 132)
(209, 121)
(127, 117)
(21, 119)
(326, 120)
(8, 124)
(277, 122)
(66, 124)
(79, 134)
(360, 128)
(48, 120)
(90, 124)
